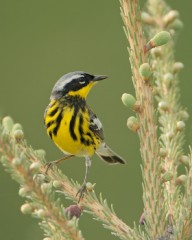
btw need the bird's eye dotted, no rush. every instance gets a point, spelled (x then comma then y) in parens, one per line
(81, 81)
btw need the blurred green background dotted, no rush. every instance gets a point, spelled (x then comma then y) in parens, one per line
(40, 41)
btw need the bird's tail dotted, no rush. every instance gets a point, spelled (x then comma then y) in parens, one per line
(106, 154)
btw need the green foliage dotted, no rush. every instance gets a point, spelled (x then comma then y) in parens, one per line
(27, 167)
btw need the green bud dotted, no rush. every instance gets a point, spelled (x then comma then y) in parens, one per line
(147, 19)
(181, 180)
(35, 166)
(57, 184)
(156, 52)
(145, 71)
(41, 153)
(163, 106)
(18, 135)
(23, 192)
(180, 125)
(90, 186)
(128, 100)
(159, 39)
(133, 124)
(183, 115)
(176, 25)
(16, 161)
(168, 79)
(177, 67)
(7, 123)
(184, 159)
(26, 208)
(167, 176)
(17, 126)
(170, 17)
(40, 213)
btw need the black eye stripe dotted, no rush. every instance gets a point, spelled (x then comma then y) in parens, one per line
(71, 84)
(75, 85)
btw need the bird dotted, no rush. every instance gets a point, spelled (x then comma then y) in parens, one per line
(73, 126)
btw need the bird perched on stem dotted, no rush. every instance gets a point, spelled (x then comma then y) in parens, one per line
(71, 124)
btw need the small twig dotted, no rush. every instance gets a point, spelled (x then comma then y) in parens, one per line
(40, 197)
(98, 208)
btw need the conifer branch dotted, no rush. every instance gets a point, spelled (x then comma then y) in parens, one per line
(41, 202)
(27, 167)
(147, 131)
(172, 116)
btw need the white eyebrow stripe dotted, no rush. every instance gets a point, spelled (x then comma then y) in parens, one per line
(66, 81)
(62, 82)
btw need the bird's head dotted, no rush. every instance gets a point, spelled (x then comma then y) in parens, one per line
(75, 84)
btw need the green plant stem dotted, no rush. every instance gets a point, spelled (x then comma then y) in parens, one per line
(172, 140)
(153, 196)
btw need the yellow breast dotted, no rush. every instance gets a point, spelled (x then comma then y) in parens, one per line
(68, 127)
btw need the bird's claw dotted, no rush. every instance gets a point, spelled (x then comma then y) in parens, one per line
(48, 166)
(81, 192)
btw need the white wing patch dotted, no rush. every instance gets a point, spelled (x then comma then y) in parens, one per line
(97, 123)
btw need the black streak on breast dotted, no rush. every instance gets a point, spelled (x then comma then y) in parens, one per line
(72, 124)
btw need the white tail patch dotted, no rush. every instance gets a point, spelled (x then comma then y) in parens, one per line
(108, 155)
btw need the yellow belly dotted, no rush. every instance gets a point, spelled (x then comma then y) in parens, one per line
(64, 140)
(66, 143)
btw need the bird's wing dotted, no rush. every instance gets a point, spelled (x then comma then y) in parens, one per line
(95, 125)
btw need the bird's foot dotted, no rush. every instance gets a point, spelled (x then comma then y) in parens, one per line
(48, 166)
(81, 192)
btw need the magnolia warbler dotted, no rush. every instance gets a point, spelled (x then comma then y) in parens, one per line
(71, 124)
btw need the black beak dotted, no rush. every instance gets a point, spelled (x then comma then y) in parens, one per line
(99, 78)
